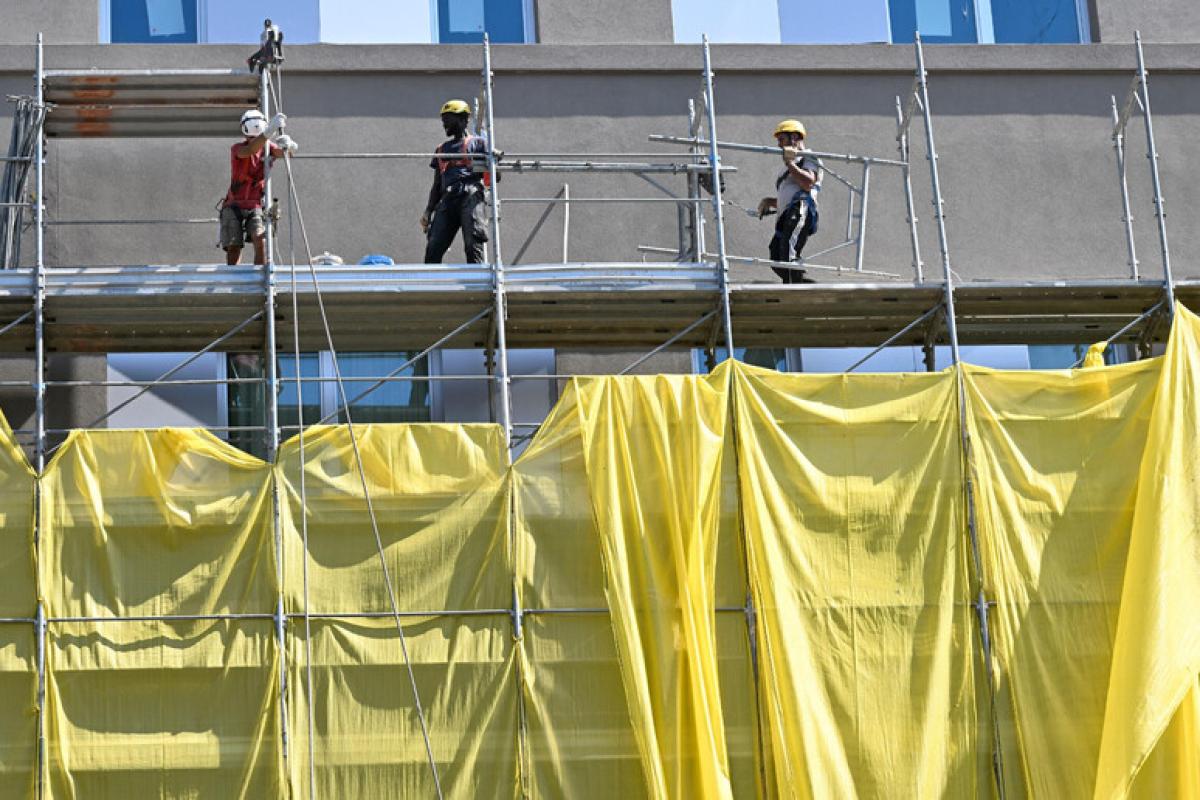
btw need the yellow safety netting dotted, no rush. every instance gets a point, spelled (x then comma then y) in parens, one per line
(853, 518)
(18, 601)
(652, 451)
(629, 534)
(158, 524)
(579, 732)
(1156, 652)
(440, 498)
(1056, 458)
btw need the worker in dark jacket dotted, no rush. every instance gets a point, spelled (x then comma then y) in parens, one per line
(797, 187)
(457, 199)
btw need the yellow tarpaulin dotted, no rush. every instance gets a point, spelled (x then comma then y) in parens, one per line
(18, 601)
(153, 524)
(440, 498)
(1056, 459)
(579, 730)
(1156, 652)
(652, 452)
(630, 534)
(851, 502)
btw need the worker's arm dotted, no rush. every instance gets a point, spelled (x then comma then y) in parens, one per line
(252, 147)
(435, 194)
(806, 178)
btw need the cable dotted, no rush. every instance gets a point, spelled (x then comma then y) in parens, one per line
(308, 658)
(294, 206)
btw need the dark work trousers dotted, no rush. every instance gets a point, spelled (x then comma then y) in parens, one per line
(463, 206)
(796, 223)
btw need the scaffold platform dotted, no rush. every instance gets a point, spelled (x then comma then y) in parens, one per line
(578, 306)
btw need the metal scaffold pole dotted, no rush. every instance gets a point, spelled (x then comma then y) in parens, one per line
(714, 159)
(504, 384)
(1118, 138)
(39, 277)
(39, 390)
(1152, 154)
(980, 603)
(271, 389)
(498, 299)
(902, 125)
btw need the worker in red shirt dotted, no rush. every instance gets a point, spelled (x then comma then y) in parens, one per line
(242, 209)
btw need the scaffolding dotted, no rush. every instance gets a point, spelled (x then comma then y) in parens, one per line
(689, 302)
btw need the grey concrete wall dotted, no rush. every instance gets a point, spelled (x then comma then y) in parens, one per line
(604, 22)
(60, 21)
(1158, 20)
(66, 407)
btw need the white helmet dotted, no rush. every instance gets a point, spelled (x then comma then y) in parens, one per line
(254, 123)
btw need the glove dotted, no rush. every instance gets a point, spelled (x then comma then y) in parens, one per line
(790, 154)
(278, 122)
(766, 206)
(425, 223)
(287, 143)
(498, 155)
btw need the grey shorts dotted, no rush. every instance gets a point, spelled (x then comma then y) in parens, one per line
(240, 225)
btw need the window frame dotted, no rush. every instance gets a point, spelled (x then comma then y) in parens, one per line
(105, 30)
(528, 22)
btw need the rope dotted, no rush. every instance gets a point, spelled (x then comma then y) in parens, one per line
(294, 207)
(308, 658)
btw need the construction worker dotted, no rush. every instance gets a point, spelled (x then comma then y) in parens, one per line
(797, 187)
(457, 198)
(241, 210)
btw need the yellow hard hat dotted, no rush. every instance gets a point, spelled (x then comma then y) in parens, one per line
(455, 107)
(790, 126)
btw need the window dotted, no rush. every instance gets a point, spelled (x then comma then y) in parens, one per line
(1039, 21)
(780, 359)
(309, 21)
(465, 21)
(151, 21)
(747, 21)
(833, 21)
(860, 21)
(396, 401)
(939, 21)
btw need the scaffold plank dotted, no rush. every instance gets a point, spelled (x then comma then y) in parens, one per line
(406, 307)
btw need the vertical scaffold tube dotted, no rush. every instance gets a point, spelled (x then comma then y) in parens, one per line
(1122, 176)
(498, 299)
(718, 205)
(39, 274)
(695, 210)
(980, 603)
(271, 387)
(1152, 154)
(862, 217)
(505, 386)
(902, 145)
(39, 390)
(938, 203)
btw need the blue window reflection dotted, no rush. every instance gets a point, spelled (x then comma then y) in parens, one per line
(153, 21)
(1035, 21)
(465, 21)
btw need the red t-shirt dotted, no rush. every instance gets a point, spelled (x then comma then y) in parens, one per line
(247, 180)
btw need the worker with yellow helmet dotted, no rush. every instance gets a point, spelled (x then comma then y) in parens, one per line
(457, 199)
(797, 186)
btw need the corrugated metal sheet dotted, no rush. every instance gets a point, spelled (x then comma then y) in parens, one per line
(118, 103)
